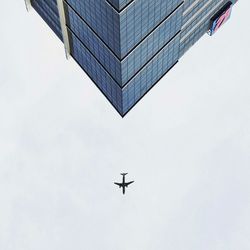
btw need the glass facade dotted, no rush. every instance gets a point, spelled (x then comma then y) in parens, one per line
(127, 46)
(47, 9)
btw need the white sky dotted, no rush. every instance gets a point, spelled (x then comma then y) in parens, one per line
(186, 145)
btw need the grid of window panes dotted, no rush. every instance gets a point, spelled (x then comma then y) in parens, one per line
(150, 46)
(140, 18)
(123, 70)
(96, 72)
(151, 74)
(96, 46)
(124, 98)
(102, 18)
(47, 9)
(122, 31)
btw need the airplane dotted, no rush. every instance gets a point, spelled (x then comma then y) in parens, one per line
(123, 184)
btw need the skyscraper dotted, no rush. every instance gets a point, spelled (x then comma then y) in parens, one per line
(127, 46)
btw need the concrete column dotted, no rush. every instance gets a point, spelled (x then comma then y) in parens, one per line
(28, 4)
(65, 34)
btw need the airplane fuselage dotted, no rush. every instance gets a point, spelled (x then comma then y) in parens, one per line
(124, 184)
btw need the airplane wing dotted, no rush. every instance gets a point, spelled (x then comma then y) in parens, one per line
(128, 183)
(119, 184)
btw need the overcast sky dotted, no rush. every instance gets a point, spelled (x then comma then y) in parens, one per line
(62, 145)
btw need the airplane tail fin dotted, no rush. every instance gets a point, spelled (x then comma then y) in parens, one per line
(123, 174)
